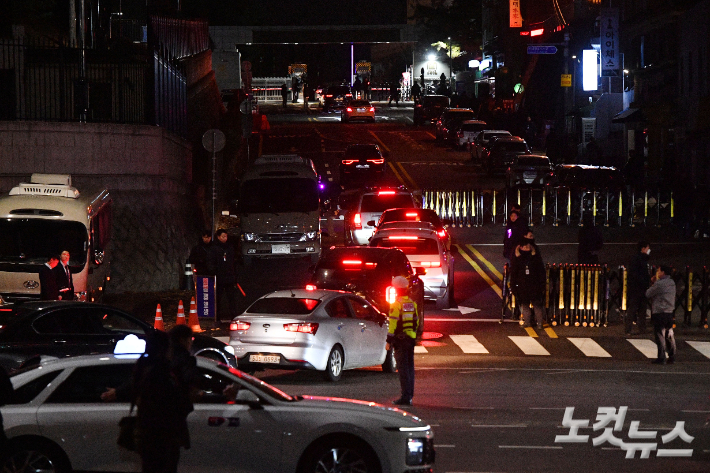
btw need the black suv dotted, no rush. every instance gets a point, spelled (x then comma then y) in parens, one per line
(337, 97)
(368, 272)
(362, 164)
(429, 108)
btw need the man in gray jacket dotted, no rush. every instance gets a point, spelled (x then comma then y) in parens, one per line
(662, 294)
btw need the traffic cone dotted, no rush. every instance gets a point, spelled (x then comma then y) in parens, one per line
(194, 322)
(159, 319)
(180, 315)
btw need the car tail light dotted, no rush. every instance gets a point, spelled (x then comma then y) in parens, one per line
(349, 161)
(352, 262)
(357, 221)
(311, 328)
(459, 134)
(376, 161)
(402, 237)
(349, 109)
(411, 214)
(328, 95)
(430, 264)
(391, 294)
(348, 95)
(239, 326)
(386, 193)
(372, 109)
(441, 233)
(311, 287)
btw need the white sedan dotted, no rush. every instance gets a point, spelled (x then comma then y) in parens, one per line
(322, 330)
(57, 423)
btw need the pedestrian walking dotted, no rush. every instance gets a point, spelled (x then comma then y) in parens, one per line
(515, 229)
(662, 295)
(48, 285)
(638, 280)
(199, 254)
(590, 241)
(402, 335)
(394, 94)
(223, 265)
(527, 280)
(284, 94)
(64, 277)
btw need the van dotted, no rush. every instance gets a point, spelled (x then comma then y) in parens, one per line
(45, 217)
(279, 209)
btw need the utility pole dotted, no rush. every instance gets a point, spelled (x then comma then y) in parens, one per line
(451, 67)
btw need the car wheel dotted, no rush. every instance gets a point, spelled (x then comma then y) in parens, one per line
(35, 455)
(390, 363)
(346, 454)
(334, 368)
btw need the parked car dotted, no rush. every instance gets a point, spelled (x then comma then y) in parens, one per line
(368, 272)
(501, 152)
(467, 131)
(417, 215)
(529, 170)
(479, 146)
(362, 164)
(428, 109)
(57, 423)
(60, 329)
(337, 97)
(368, 205)
(425, 250)
(358, 110)
(583, 177)
(449, 120)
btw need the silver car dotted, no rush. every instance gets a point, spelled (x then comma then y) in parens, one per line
(368, 207)
(322, 330)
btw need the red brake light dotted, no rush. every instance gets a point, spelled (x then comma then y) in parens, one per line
(348, 95)
(372, 109)
(402, 237)
(352, 262)
(240, 326)
(537, 32)
(349, 161)
(310, 287)
(349, 109)
(311, 328)
(328, 95)
(411, 214)
(376, 161)
(430, 264)
(441, 233)
(357, 221)
(386, 193)
(391, 294)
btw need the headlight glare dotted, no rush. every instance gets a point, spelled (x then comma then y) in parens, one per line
(309, 236)
(415, 451)
(250, 237)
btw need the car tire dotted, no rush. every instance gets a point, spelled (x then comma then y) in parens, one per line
(334, 367)
(32, 455)
(340, 454)
(390, 363)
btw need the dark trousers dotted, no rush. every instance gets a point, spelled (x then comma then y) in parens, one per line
(226, 302)
(160, 455)
(404, 355)
(636, 306)
(663, 333)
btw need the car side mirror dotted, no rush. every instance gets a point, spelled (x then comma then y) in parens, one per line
(371, 223)
(419, 271)
(244, 396)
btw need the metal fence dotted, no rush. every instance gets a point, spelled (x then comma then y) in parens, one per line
(551, 206)
(268, 89)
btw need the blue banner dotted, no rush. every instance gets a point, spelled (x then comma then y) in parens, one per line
(206, 297)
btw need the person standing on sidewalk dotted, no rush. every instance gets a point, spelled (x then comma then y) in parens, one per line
(223, 265)
(284, 94)
(662, 297)
(639, 280)
(515, 229)
(527, 280)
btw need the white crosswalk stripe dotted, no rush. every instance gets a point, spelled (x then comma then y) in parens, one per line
(702, 347)
(529, 345)
(468, 344)
(420, 349)
(647, 347)
(589, 347)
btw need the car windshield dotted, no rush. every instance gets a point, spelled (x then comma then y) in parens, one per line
(283, 305)
(278, 195)
(488, 136)
(382, 202)
(419, 246)
(513, 147)
(339, 90)
(27, 241)
(459, 116)
(472, 126)
(430, 101)
(526, 161)
(410, 215)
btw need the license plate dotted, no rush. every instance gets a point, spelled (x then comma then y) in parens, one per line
(281, 249)
(528, 181)
(264, 358)
(360, 109)
(529, 175)
(362, 166)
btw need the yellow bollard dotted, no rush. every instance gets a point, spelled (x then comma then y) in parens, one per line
(624, 289)
(561, 302)
(672, 207)
(571, 293)
(595, 307)
(518, 198)
(494, 206)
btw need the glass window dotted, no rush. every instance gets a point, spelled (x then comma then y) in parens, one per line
(213, 386)
(279, 195)
(29, 391)
(283, 305)
(362, 309)
(380, 203)
(85, 384)
(420, 246)
(338, 309)
(67, 322)
(116, 322)
(25, 240)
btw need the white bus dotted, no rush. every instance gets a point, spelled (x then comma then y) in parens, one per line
(47, 216)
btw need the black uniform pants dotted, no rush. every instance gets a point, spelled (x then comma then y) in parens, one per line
(404, 355)
(636, 306)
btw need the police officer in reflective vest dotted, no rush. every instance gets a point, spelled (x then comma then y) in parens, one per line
(403, 326)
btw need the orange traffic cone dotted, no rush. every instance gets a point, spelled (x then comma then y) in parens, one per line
(159, 319)
(194, 322)
(180, 315)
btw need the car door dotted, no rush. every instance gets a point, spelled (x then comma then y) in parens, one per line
(345, 329)
(372, 332)
(69, 331)
(234, 436)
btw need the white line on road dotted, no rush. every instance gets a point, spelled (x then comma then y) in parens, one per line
(436, 445)
(647, 347)
(529, 345)
(589, 347)
(702, 347)
(445, 319)
(538, 447)
(468, 344)
(512, 426)
(420, 349)
(223, 339)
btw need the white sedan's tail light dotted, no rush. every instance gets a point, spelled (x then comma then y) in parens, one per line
(311, 328)
(391, 294)
(430, 264)
(376, 161)
(357, 221)
(239, 326)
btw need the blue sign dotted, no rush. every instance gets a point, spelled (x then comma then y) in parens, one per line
(206, 297)
(542, 49)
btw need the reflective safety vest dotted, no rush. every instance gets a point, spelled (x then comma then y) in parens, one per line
(404, 317)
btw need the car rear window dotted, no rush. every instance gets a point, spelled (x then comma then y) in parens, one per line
(409, 215)
(534, 161)
(420, 246)
(338, 90)
(518, 146)
(429, 101)
(362, 152)
(467, 115)
(380, 203)
(473, 126)
(360, 103)
(283, 305)
(27, 392)
(488, 136)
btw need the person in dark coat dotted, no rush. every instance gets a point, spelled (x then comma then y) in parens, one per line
(64, 277)
(590, 241)
(515, 229)
(638, 280)
(527, 280)
(284, 95)
(48, 286)
(223, 265)
(199, 255)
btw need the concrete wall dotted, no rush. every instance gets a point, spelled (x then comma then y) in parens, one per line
(148, 172)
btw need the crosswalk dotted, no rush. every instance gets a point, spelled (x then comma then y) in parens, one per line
(586, 347)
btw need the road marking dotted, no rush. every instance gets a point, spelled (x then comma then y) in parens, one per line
(538, 447)
(589, 347)
(529, 345)
(445, 319)
(405, 174)
(468, 344)
(507, 426)
(702, 347)
(531, 332)
(223, 339)
(380, 141)
(647, 347)
(420, 349)
(429, 133)
(396, 174)
(550, 333)
(438, 445)
(478, 269)
(483, 260)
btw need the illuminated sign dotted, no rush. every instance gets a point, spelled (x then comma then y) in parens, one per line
(590, 69)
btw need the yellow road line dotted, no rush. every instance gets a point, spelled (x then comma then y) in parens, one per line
(480, 271)
(531, 332)
(550, 333)
(379, 141)
(399, 178)
(429, 133)
(483, 260)
(405, 174)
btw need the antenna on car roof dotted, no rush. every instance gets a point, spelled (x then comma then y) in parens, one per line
(292, 294)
